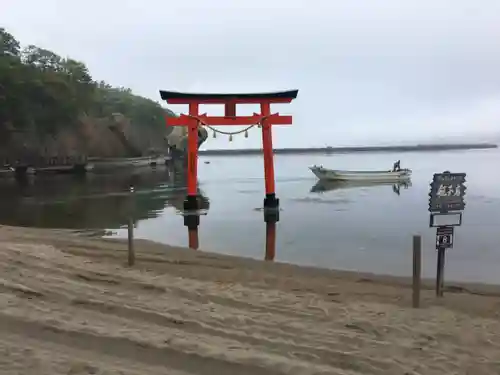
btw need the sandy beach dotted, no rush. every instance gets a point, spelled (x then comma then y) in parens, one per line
(69, 304)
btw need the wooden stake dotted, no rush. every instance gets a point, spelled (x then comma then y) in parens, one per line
(417, 270)
(131, 250)
(440, 272)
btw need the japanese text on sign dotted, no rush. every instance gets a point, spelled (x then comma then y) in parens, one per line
(449, 191)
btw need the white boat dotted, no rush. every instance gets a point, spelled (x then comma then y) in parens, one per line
(374, 176)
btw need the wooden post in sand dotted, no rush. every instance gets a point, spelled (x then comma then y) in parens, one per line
(417, 270)
(440, 271)
(131, 250)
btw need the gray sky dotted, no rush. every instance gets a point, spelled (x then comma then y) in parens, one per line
(368, 71)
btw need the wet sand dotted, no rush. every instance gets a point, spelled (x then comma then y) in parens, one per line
(70, 305)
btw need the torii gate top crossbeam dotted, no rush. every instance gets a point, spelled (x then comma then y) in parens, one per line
(174, 97)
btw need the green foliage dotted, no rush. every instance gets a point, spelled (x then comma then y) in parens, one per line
(44, 94)
(139, 110)
(9, 46)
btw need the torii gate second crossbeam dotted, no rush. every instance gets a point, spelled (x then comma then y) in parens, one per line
(265, 118)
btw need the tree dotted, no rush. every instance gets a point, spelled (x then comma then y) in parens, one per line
(77, 70)
(41, 58)
(9, 46)
(45, 96)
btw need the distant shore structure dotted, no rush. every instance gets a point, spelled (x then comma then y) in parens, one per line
(353, 149)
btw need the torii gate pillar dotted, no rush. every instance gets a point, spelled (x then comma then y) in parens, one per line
(266, 119)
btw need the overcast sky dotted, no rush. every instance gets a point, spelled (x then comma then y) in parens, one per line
(368, 71)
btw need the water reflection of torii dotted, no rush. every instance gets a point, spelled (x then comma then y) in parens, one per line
(270, 248)
(176, 174)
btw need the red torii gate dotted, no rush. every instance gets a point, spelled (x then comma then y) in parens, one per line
(265, 119)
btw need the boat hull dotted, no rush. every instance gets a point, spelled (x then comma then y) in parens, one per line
(372, 176)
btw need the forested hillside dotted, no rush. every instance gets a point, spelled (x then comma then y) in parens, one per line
(50, 105)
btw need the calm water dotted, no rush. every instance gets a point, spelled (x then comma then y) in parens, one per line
(358, 228)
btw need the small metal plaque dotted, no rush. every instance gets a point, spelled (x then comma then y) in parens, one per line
(444, 237)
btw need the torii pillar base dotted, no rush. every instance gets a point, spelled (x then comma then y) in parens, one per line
(191, 215)
(191, 203)
(271, 208)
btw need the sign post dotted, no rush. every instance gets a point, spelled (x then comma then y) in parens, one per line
(446, 203)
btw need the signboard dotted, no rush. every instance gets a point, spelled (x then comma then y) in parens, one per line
(444, 238)
(446, 200)
(447, 192)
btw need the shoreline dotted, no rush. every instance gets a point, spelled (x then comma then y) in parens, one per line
(143, 246)
(70, 305)
(451, 286)
(101, 237)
